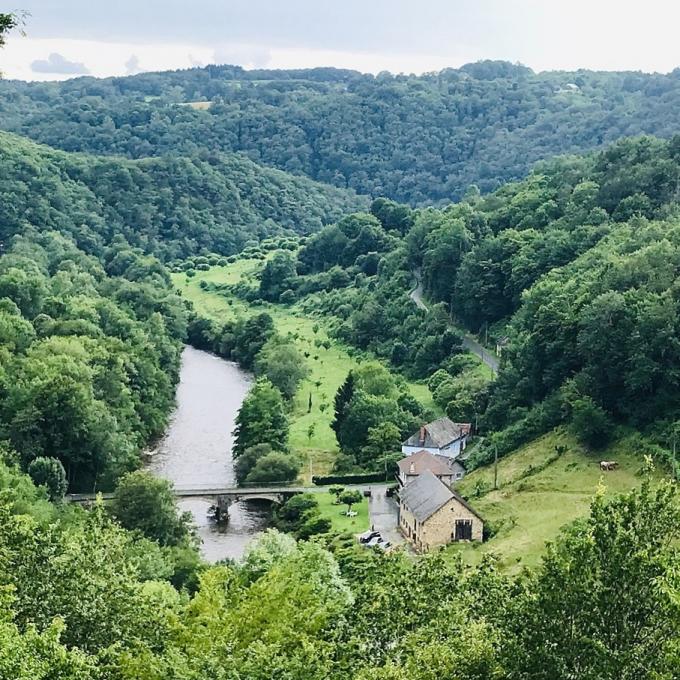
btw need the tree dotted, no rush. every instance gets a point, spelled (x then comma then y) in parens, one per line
(274, 467)
(50, 473)
(247, 460)
(364, 412)
(609, 577)
(349, 497)
(591, 423)
(343, 397)
(145, 503)
(283, 365)
(381, 440)
(270, 548)
(290, 516)
(310, 432)
(261, 419)
(277, 276)
(8, 21)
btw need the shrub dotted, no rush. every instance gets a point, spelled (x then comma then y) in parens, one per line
(274, 467)
(49, 472)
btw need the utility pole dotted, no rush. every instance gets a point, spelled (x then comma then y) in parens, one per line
(495, 466)
(675, 466)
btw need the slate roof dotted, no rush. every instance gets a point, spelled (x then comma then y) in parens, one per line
(426, 494)
(420, 461)
(438, 434)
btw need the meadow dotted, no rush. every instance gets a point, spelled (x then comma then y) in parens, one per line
(311, 436)
(534, 500)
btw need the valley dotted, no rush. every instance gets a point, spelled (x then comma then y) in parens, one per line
(316, 373)
(328, 365)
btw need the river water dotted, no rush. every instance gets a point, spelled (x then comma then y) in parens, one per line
(196, 450)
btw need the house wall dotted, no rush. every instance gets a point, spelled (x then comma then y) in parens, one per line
(447, 479)
(439, 528)
(408, 525)
(452, 450)
(410, 450)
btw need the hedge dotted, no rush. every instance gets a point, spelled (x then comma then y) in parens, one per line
(349, 479)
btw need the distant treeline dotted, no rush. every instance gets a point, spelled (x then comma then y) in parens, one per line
(415, 139)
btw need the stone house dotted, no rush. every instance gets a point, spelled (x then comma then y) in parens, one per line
(431, 514)
(448, 470)
(441, 437)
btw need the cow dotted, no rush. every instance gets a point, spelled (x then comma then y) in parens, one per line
(608, 465)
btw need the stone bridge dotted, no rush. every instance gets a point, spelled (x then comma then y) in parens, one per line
(220, 497)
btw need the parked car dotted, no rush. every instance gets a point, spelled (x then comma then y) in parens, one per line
(376, 540)
(368, 535)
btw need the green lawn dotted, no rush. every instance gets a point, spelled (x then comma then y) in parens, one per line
(341, 522)
(530, 510)
(328, 367)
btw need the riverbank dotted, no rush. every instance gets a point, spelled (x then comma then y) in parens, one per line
(196, 450)
(311, 435)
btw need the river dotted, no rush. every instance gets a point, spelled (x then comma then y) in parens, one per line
(196, 450)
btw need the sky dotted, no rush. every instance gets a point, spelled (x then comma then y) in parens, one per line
(68, 38)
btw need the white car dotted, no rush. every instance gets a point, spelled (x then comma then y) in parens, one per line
(376, 540)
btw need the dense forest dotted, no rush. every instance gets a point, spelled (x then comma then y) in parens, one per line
(171, 206)
(89, 356)
(84, 599)
(415, 139)
(576, 265)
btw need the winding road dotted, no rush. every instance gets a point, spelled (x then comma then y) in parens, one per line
(470, 344)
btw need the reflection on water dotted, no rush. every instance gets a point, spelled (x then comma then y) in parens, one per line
(196, 451)
(246, 519)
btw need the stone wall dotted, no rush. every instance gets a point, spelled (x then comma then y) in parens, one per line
(439, 528)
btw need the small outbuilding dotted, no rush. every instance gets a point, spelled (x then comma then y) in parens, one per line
(442, 437)
(431, 514)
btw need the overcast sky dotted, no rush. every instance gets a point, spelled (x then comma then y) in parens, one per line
(65, 38)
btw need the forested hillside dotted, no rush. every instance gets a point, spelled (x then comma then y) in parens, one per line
(577, 265)
(89, 357)
(416, 139)
(170, 206)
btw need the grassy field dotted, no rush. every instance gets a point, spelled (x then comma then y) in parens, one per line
(341, 522)
(328, 366)
(530, 509)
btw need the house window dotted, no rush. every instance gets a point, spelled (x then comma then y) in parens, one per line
(462, 530)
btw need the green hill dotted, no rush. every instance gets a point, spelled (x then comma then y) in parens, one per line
(170, 206)
(541, 490)
(416, 139)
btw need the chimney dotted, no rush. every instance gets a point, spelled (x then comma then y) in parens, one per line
(422, 435)
(412, 468)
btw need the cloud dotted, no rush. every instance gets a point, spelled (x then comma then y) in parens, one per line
(250, 56)
(132, 65)
(198, 63)
(57, 63)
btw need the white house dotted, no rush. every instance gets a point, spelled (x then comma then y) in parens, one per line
(441, 437)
